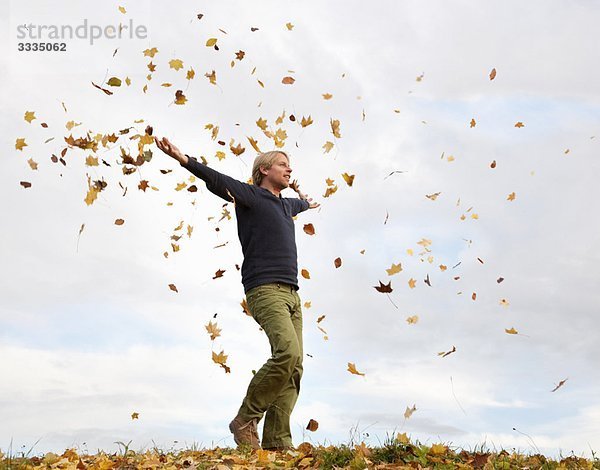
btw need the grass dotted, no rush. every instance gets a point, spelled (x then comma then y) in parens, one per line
(397, 451)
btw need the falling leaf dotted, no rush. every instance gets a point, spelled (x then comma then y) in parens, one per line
(304, 122)
(327, 146)
(412, 320)
(20, 143)
(511, 196)
(312, 425)
(173, 287)
(190, 74)
(309, 229)
(212, 330)
(212, 77)
(305, 274)
(335, 128)
(108, 92)
(349, 179)
(493, 164)
(474, 296)
(560, 384)
(220, 359)
(504, 302)
(25, 184)
(412, 283)
(473, 123)
(519, 124)
(114, 81)
(239, 55)
(211, 42)
(511, 331)
(409, 411)
(288, 80)
(254, 144)
(29, 116)
(119, 221)
(219, 273)
(176, 64)
(433, 196)
(438, 449)
(327, 96)
(352, 369)
(402, 438)
(320, 319)
(150, 52)
(289, 26)
(244, 305)
(337, 262)
(135, 415)
(396, 268)
(493, 74)
(444, 354)
(384, 288)
(180, 97)
(420, 77)
(122, 10)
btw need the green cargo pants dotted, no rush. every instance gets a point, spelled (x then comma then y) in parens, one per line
(274, 389)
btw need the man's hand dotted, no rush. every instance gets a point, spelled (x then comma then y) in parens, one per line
(166, 146)
(296, 187)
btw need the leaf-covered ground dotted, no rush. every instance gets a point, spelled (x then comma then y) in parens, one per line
(394, 453)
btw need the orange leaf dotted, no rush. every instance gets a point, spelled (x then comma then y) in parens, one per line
(352, 369)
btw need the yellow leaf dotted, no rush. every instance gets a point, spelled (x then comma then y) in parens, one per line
(220, 155)
(289, 26)
(254, 144)
(260, 83)
(412, 320)
(127, 81)
(212, 77)
(512, 331)
(409, 411)
(327, 146)
(114, 81)
(29, 116)
(190, 74)
(438, 449)
(348, 178)
(176, 64)
(71, 124)
(32, 164)
(20, 143)
(511, 196)
(352, 369)
(135, 415)
(473, 123)
(220, 359)
(335, 127)
(412, 283)
(180, 186)
(306, 121)
(262, 123)
(402, 438)
(166, 84)
(212, 330)
(396, 268)
(211, 42)
(150, 52)
(180, 97)
(91, 161)
(327, 96)
(519, 124)
(122, 10)
(307, 304)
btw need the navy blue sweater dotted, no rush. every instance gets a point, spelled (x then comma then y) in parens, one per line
(264, 224)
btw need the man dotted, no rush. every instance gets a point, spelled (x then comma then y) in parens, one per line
(270, 278)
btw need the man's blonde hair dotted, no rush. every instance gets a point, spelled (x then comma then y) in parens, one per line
(265, 160)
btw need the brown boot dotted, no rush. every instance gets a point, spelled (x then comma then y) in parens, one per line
(245, 432)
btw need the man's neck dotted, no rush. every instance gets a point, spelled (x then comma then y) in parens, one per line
(275, 191)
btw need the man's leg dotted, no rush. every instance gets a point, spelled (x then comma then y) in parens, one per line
(276, 430)
(271, 306)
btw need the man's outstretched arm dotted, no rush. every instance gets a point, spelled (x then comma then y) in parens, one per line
(217, 183)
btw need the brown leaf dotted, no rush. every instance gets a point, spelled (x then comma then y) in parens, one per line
(309, 229)
(444, 354)
(305, 274)
(312, 425)
(108, 92)
(493, 74)
(25, 184)
(119, 221)
(288, 80)
(337, 262)
(560, 384)
(384, 288)
(213, 330)
(219, 273)
(173, 287)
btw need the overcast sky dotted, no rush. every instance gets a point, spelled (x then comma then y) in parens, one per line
(90, 331)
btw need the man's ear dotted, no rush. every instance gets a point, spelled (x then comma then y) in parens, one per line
(261, 168)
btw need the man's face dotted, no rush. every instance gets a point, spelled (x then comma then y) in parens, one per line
(279, 173)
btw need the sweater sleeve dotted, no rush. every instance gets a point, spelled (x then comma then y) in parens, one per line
(220, 184)
(298, 205)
